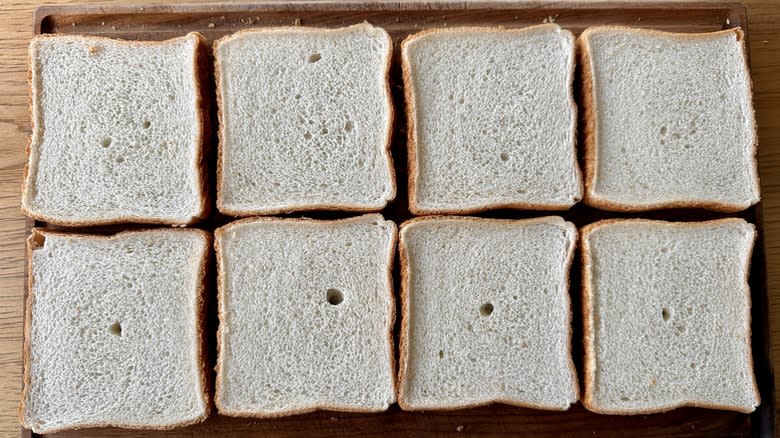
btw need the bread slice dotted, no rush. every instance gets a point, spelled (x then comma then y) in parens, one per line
(668, 120)
(667, 316)
(306, 315)
(119, 129)
(305, 120)
(113, 330)
(491, 119)
(485, 313)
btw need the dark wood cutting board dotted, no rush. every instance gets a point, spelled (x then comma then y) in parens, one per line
(158, 22)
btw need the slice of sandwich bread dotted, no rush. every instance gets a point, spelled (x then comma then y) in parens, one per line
(119, 129)
(491, 119)
(114, 330)
(486, 315)
(668, 120)
(306, 315)
(305, 120)
(666, 310)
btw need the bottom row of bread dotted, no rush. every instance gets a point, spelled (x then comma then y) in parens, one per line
(115, 324)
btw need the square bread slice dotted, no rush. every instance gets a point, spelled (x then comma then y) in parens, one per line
(305, 120)
(491, 119)
(668, 120)
(667, 316)
(114, 330)
(486, 315)
(306, 315)
(119, 129)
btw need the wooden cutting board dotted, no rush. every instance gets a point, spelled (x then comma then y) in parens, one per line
(158, 22)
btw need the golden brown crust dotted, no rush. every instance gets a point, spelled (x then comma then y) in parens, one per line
(411, 129)
(202, 315)
(36, 240)
(200, 60)
(203, 104)
(589, 316)
(403, 342)
(391, 310)
(357, 208)
(590, 115)
(221, 299)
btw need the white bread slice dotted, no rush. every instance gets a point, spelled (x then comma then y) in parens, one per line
(668, 120)
(306, 314)
(667, 316)
(119, 129)
(305, 120)
(114, 330)
(486, 315)
(491, 119)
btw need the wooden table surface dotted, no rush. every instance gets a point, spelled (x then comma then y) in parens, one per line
(16, 27)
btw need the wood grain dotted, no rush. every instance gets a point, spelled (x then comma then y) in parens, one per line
(764, 39)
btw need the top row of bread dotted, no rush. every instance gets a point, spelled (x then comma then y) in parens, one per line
(121, 129)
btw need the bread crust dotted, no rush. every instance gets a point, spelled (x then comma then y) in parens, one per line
(265, 211)
(590, 116)
(200, 59)
(589, 319)
(403, 343)
(221, 298)
(36, 240)
(411, 127)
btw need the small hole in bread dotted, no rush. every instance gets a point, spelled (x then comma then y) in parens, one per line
(348, 126)
(106, 142)
(663, 130)
(314, 57)
(307, 135)
(120, 159)
(297, 96)
(334, 296)
(665, 314)
(441, 354)
(504, 156)
(486, 309)
(115, 329)
(147, 124)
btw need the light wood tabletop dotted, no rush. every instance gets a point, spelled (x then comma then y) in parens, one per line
(764, 39)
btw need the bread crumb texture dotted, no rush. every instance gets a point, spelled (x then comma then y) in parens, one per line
(306, 316)
(674, 121)
(487, 314)
(306, 119)
(114, 331)
(669, 308)
(116, 131)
